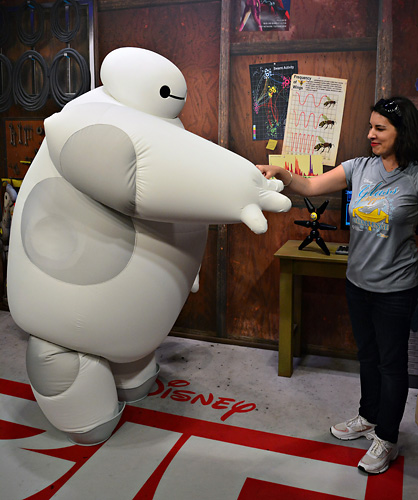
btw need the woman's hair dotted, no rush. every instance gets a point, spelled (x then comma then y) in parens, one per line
(403, 114)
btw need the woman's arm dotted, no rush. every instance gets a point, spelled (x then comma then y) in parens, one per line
(329, 182)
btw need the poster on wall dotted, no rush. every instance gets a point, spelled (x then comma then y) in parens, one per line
(270, 85)
(264, 15)
(314, 116)
(305, 165)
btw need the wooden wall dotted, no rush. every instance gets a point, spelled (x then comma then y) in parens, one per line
(335, 38)
(405, 49)
(253, 273)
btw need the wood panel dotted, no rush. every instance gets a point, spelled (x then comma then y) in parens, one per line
(319, 19)
(223, 140)
(405, 48)
(198, 315)
(383, 86)
(132, 4)
(244, 48)
(326, 327)
(253, 273)
(253, 277)
(188, 35)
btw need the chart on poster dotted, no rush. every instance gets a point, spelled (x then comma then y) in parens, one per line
(314, 116)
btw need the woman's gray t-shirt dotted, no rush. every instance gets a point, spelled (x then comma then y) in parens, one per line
(383, 254)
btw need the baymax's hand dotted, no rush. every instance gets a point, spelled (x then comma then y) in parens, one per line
(270, 200)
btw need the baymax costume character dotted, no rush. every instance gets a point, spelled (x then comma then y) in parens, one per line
(108, 234)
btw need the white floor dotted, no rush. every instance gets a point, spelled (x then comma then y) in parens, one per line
(250, 435)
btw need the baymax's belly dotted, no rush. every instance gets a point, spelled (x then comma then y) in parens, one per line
(91, 279)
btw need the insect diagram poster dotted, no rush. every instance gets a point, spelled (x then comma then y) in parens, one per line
(270, 86)
(314, 116)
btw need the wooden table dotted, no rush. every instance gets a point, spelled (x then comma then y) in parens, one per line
(294, 263)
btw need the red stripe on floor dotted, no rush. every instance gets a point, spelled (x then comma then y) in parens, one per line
(387, 486)
(263, 490)
(245, 437)
(147, 492)
(10, 430)
(16, 389)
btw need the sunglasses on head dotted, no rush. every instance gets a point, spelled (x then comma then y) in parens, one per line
(390, 107)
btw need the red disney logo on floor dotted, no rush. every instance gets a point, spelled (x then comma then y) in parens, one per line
(219, 403)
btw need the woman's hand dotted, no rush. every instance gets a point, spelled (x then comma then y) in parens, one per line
(279, 173)
(318, 185)
(266, 170)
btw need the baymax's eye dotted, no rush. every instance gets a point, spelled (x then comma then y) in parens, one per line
(165, 91)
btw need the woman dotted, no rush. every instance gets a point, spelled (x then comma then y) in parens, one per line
(382, 270)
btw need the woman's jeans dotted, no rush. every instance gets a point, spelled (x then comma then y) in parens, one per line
(381, 326)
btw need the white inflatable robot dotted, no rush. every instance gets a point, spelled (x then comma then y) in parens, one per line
(108, 235)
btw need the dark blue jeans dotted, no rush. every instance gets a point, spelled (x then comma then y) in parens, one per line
(381, 325)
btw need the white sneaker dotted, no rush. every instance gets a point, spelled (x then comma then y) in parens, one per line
(352, 429)
(379, 456)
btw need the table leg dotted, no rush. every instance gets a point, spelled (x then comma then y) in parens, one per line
(286, 320)
(297, 314)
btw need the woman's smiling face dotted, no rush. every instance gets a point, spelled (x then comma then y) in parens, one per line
(382, 135)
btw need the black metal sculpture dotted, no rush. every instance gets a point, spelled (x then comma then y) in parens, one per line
(315, 226)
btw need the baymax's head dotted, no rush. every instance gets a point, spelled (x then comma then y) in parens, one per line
(144, 80)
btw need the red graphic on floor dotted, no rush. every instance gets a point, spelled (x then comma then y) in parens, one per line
(184, 435)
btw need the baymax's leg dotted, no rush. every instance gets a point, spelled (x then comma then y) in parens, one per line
(135, 380)
(75, 391)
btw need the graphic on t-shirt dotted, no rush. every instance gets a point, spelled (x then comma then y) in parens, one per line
(372, 208)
